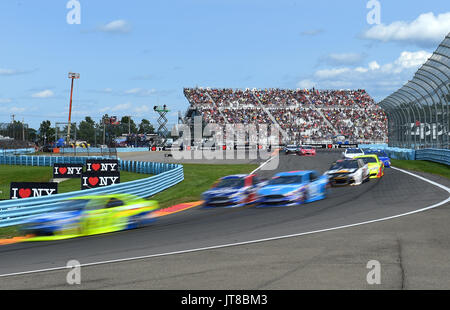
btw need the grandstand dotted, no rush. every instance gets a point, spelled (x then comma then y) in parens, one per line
(306, 116)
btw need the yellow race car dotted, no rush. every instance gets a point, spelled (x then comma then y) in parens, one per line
(91, 215)
(376, 166)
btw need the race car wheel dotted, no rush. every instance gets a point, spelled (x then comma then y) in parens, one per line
(305, 196)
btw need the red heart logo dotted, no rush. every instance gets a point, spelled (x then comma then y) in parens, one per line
(96, 167)
(62, 170)
(24, 192)
(93, 181)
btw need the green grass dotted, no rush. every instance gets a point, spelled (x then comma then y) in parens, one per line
(422, 166)
(8, 232)
(197, 179)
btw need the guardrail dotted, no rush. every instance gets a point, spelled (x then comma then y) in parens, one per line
(68, 150)
(392, 152)
(436, 155)
(15, 212)
(4, 152)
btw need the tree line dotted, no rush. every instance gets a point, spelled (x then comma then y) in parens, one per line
(93, 132)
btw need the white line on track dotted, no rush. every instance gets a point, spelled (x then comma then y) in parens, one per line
(259, 240)
(264, 163)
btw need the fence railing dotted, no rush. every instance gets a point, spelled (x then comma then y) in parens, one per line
(436, 155)
(4, 152)
(15, 212)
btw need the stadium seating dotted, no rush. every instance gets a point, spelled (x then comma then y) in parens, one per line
(304, 115)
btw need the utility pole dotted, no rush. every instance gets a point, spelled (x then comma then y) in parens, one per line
(129, 125)
(23, 129)
(104, 125)
(71, 76)
(13, 131)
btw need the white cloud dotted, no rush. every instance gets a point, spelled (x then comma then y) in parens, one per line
(17, 110)
(8, 71)
(380, 79)
(116, 26)
(306, 84)
(142, 110)
(427, 30)
(373, 65)
(11, 72)
(329, 73)
(43, 94)
(412, 59)
(117, 108)
(343, 58)
(140, 92)
(5, 100)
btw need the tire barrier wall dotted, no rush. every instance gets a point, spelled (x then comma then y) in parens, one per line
(15, 212)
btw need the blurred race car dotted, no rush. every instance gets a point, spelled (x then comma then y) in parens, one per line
(348, 172)
(232, 191)
(381, 156)
(307, 150)
(352, 153)
(376, 167)
(291, 149)
(292, 188)
(90, 215)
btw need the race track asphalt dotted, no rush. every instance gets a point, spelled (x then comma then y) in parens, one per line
(396, 193)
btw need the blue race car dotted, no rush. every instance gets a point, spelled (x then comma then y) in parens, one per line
(293, 188)
(382, 156)
(232, 191)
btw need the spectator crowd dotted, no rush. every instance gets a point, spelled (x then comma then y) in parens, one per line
(304, 115)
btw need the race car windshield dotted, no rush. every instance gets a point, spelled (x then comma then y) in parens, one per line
(367, 160)
(291, 146)
(294, 179)
(74, 205)
(354, 151)
(231, 183)
(350, 164)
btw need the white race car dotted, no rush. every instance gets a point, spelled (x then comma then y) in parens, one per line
(352, 153)
(348, 172)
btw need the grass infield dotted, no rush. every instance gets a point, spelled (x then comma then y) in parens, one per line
(422, 166)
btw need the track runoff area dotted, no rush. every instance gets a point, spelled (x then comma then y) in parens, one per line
(197, 230)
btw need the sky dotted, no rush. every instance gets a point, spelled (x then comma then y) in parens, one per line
(133, 55)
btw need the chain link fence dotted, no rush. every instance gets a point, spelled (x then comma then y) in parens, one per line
(418, 113)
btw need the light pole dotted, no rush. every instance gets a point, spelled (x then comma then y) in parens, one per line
(71, 76)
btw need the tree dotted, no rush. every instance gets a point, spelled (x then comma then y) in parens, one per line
(145, 127)
(86, 130)
(127, 125)
(46, 132)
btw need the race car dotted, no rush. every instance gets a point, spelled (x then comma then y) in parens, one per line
(376, 167)
(91, 215)
(232, 191)
(291, 149)
(292, 188)
(348, 172)
(307, 150)
(352, 153)
(381, 156)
